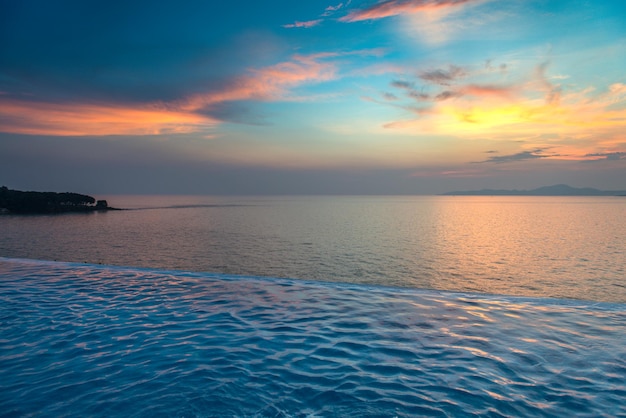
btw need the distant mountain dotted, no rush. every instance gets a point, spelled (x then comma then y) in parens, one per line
(556, 190)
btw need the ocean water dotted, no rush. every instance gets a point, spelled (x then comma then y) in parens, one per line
(560, 247)
(90, 340)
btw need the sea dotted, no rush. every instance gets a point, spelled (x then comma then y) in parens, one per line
(315, 306)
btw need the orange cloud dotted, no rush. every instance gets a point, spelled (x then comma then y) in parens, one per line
(37, 118)
(391, 8)
(181, 116)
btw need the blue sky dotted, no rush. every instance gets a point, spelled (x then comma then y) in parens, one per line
(357, 97)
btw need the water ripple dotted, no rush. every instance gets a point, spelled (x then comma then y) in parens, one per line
(84, 340)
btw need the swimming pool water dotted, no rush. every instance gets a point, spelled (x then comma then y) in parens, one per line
(88, 340)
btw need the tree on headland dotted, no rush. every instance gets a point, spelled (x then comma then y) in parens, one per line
(16, 201)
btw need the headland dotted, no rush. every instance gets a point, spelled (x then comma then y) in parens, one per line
(29, 202)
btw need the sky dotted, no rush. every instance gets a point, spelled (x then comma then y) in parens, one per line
(311, 97)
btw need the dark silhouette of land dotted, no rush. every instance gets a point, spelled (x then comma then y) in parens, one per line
(19, 202)
(556, 190)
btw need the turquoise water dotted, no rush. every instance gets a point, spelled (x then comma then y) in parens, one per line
(89, 340)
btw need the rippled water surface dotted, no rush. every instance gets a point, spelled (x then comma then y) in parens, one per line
(85, 340)
(563, 247)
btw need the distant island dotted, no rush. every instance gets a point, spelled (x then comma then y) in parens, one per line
(19, 202)
(556, 190)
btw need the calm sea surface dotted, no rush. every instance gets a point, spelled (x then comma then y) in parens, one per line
(563, 247)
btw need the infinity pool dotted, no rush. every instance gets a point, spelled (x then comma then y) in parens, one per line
(89, 340)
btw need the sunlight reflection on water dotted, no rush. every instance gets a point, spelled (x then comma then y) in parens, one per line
(566, 247)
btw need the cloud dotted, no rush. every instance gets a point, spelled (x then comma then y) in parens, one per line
(552, 91)
(520, 156)
(390, 96)
(87, 119)
(307, 24)
(618, 88)
(448, 79)
(610, 156)
(486, 90)
(184, 115)
(445, 95)
(409, 87)
(138, 53)
(577, 123)
(450, 173)
(443, 77)
(489, 66)
(391, 8)
(331, 9)
(269, 83)
(239, 112)
(616, 95)
(391, 100)
(419, 96)
(403, 84)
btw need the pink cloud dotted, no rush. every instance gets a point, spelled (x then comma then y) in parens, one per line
(391, 8)
(269, 83)
(307, 24)
(487, 90)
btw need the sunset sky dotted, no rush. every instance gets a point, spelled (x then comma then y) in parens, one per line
(357, 97)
